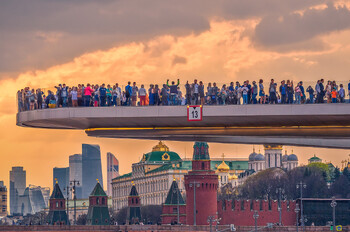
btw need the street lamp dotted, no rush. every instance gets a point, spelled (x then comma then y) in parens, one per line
(194, 185)
(280, 193)
(256, 216)
(210, 220)
(297, 210)
(301, 186)
(67, 189)
(73, 185)
(333, 205)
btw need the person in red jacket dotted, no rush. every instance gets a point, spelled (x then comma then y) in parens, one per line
(87, 94)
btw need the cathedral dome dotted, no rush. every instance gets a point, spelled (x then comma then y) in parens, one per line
(233, 177)
(252, 156)
(259, 157)
(292, 157)
(285, 158)
(223, 167)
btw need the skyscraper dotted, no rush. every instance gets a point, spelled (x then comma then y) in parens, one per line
(62, 176)
(92, 170)
(17, 187)
(3, 199)
(31, 201)
(76, 172)
(112, 171)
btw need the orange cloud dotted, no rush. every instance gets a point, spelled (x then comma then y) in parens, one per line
(223, 53)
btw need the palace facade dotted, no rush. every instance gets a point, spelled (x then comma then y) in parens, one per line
(155, 172)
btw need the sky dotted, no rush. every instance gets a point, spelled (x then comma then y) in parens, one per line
(44, 43)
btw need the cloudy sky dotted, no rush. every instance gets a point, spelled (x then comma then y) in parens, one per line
(43, 43)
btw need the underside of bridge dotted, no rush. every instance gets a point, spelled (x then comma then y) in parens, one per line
(327, 137)
(317, 125)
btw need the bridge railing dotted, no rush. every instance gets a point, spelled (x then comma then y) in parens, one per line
(40, 98)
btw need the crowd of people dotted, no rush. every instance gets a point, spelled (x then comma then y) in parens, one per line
(195, 93)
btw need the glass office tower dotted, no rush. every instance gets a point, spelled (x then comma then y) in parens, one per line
(92, 170)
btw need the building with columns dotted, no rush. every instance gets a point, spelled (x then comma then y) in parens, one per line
(155, 172)
(272, 159)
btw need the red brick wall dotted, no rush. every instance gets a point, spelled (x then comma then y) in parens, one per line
(206, 197)
(244, 217)
(61, 204)
(169, 217)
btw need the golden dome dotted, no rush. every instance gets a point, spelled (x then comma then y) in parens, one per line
(223, 167)
(160, 147)
(233, 177)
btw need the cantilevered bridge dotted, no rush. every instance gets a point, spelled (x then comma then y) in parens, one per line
(315, 125)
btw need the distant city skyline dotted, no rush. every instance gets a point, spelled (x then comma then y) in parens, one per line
(128, 156)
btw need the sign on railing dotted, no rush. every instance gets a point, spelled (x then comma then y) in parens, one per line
(194, 113)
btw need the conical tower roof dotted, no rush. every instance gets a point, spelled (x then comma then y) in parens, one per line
(98, 191)
(56, 193)
(133, 191)
(174, 196)
(201, 151)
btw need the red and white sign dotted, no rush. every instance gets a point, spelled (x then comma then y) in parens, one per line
(194, 113)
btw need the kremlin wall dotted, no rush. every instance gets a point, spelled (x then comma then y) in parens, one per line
(240, 213)
(201, 184)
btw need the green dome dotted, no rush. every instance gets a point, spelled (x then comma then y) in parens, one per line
(160, 153)
(160, 156)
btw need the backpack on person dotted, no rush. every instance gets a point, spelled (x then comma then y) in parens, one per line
(32, 98)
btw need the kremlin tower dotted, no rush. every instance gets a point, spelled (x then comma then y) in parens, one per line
(57, 214)
(201, 187)
(98, 213)
(134, 207)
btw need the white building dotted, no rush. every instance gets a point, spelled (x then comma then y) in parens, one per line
(272, 159)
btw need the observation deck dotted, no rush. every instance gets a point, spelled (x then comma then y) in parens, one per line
(316, 125)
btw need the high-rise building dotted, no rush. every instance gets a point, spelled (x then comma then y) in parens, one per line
(112, 171)
(46, 194)
(3, 199)
(92, 170)
(17, 187)
(76, 172)
(61, 175)
(31, 201)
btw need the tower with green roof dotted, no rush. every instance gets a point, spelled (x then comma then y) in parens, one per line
(201, 185)
(57, 214)
(174, 207)
(134, 207)
(98, 207)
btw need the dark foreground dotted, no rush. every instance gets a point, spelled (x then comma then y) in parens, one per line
(159, 228)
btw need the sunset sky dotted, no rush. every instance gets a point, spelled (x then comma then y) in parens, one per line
(44, 43)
